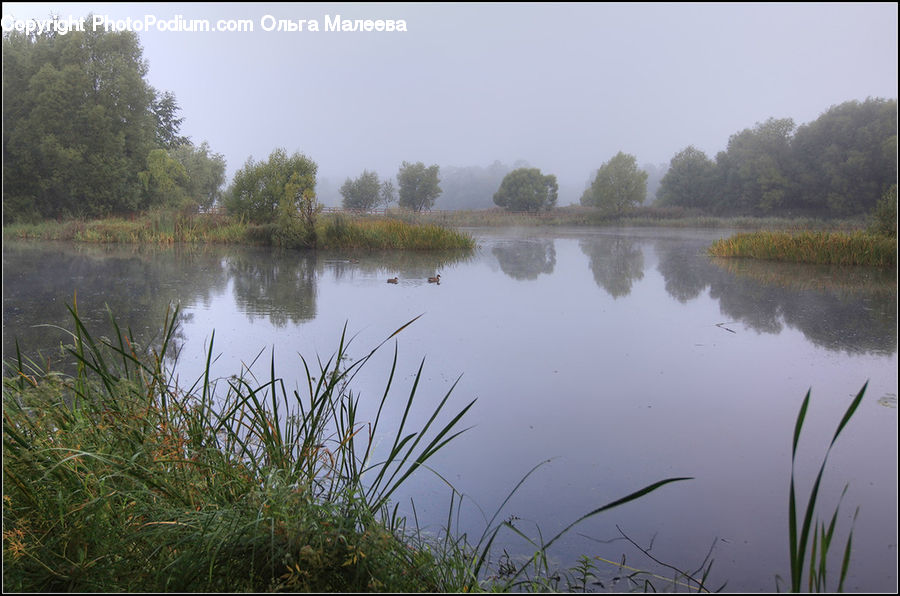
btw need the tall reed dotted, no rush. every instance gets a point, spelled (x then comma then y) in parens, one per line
(821, 534)
(116, 479)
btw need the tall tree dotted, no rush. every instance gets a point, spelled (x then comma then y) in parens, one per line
(619, 184)
(165, 110)
(757, 169)
(847, 157)
(689, 181)
(79, 123)
(419, 185)
(526, 189)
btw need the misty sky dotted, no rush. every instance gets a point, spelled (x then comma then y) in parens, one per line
(564, 87)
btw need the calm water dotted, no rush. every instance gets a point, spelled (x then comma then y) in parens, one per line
(621, 356)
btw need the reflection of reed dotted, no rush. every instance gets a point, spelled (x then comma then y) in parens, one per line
(801, 276)
(409, 264)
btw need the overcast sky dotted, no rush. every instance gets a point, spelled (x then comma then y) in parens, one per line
(564, 87)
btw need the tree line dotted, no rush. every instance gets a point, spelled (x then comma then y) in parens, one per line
(840, 164)
(85, 135)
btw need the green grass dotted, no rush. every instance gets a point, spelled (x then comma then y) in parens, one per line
(380, 233)
(822, 535)
(117, 479)
(832, 248)
(170, 227)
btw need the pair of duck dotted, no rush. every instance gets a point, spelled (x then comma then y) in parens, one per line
(432, 280)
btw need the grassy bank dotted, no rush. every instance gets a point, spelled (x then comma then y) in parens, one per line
(169, 227)
(830, 248)
(118, 480)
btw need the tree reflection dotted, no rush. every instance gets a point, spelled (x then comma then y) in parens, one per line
(852, 309)
(280, 285)
(137, 284)
(616, 262)
(526, 259)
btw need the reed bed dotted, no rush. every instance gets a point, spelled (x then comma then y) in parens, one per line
(829, 248)
(117, 480)
(376, 233)
(332, 232)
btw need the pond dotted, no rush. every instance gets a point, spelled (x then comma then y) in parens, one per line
(619, 357)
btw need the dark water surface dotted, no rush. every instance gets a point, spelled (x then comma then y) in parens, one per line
(622, 356)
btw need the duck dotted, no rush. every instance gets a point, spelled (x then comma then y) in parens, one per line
(393, 280)
(435, 280)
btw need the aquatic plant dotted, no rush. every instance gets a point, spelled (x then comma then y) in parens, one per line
(821, 534)
(117, 479)
(857, 248)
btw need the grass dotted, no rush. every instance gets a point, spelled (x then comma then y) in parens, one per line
(117, 479)
(832, 248)
(170, 227)
(370, 233)
(821, 534)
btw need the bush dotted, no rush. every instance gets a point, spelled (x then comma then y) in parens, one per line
(886, 214)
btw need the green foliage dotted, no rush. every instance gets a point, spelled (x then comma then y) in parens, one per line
(165, 110)
(526, 189)
(163, 180)
(419, 186)
(363, 193)
(755, 170)
(689, 181)
(836, 166)
(618, 185)
(205, 173)
(117, 480)
(338, 231)
(847, 158)
(885, 217)
(260, 187)
(82, 128)
(78, 123)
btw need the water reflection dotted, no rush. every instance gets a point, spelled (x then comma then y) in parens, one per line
(616, 262)
(407, 265)
(526, 259)
(138, 284)
(839, 308)
(280, 285)
(849, 309)
(842, 309)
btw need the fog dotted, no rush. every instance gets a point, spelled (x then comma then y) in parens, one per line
(562, 87)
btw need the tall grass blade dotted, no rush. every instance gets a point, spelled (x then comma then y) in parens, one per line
(821, 537)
